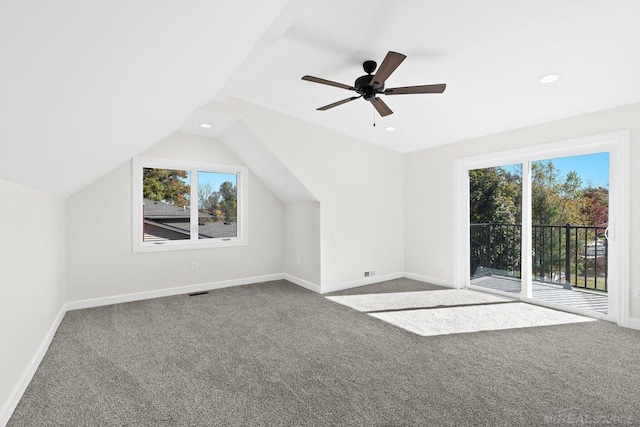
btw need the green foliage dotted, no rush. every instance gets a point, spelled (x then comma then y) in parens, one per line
(494, 196)
(561, 201)
(165, 185)
(229, 203)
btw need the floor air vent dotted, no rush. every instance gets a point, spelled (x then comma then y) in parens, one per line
(195, 294)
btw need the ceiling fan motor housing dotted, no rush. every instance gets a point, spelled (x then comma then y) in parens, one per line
(363, 83)
(363, 87)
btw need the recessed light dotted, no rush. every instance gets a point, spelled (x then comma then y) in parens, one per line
(205, 125)
(389, 128)
(549, 78)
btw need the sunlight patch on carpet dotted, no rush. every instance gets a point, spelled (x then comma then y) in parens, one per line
(420, 299)
(457, 320)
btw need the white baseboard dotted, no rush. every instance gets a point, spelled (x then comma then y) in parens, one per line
(27, 375)
(138, 296)
(301, 282)
(158, 293)
(427, 279)
(362, 282)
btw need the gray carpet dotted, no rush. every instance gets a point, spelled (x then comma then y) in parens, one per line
(274, 354)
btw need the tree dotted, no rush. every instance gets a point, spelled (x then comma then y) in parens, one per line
(229, 203)
(545, 201)
(166, 185)
(596, 205)
(571, 200)
(222, 205)
(209, 202)
(204, 192)
(556, 201)
(494, 196)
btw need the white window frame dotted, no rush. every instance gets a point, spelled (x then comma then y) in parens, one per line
(139, 163)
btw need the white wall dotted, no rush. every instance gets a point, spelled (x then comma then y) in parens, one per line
(302, 255)
(302, 241)
(359, 186)
(32, 275)
(100, 261)
(429, 196)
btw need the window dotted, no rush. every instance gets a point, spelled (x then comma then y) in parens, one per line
(187, 205)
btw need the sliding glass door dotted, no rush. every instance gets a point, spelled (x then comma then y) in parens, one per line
(547, 225)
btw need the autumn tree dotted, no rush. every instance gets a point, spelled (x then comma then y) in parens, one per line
(557, 200)
(166, 185)
(596, 205)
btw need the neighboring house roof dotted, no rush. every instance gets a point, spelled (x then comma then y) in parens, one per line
(158, 210)
(176, 230)
(207, 230)
(162, 218)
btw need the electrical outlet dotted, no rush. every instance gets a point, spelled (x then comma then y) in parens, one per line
(194, 266)
(298, 261)
(636, 292)
(369, 273)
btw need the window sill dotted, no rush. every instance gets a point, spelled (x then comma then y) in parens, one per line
(187, 245)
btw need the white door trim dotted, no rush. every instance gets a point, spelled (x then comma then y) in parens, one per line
(617, 144)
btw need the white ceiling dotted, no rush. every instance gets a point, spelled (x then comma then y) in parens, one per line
(84, 86)
(491, 54)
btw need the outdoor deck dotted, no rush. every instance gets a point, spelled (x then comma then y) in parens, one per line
(585, 300)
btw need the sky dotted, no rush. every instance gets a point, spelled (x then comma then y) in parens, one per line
(212, 178)
(592, 168)
(216, 178)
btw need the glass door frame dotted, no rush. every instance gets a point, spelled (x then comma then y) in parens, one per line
(617, 144)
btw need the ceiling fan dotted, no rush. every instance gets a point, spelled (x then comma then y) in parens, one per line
(369, 86)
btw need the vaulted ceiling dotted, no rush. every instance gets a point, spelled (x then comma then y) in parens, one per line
(86, 85)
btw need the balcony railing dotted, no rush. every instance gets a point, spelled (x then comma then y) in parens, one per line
(569, 255)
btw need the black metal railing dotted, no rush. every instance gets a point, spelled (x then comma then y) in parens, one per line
(569, 255)
(495, 249)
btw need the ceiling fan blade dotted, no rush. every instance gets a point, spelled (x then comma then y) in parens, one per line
(388, 66)
(382, 108)
(415, 89)
(335, 104)
(327, 82)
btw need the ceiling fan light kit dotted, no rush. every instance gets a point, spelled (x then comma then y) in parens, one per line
(371, 85)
